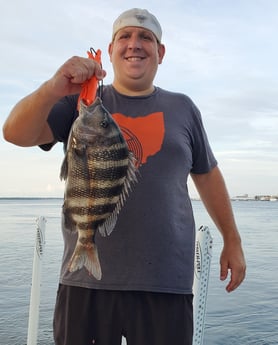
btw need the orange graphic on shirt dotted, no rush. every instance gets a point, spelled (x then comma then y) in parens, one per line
(144, 135)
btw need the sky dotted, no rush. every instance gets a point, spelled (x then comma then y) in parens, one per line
(222, 54)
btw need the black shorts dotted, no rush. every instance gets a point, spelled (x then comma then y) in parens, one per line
(101, 317)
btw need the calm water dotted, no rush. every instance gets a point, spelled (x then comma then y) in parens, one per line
(247, 316)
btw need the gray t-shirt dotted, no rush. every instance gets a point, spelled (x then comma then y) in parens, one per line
(152, 245)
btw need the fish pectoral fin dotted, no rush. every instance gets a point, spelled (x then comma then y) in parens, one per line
(86, 256)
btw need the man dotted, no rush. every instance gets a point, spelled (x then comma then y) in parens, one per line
(145, 293)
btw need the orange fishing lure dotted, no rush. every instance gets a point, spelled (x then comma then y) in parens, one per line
(89, 88)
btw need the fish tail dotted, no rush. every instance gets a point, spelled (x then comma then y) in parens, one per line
(86, 256)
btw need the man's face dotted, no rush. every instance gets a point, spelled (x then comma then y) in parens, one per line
(135, 55)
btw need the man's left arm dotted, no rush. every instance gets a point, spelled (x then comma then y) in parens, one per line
(213, 192)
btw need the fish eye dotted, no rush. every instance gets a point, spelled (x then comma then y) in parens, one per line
(104, 123)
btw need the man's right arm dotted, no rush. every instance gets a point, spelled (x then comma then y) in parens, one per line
(27, 123)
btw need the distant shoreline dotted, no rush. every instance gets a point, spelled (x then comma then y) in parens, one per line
(30, 197)
(234, 199)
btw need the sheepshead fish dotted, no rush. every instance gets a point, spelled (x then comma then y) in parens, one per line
(99, 170)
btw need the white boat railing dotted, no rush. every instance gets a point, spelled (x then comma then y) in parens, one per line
(33, 322)
(203, 254)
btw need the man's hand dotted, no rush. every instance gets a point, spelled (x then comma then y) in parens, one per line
(72, 74)
(232, 260)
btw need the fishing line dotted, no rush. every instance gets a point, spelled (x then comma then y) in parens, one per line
(100, 82)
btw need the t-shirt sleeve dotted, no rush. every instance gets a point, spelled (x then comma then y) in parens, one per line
(203, 157)
(60, 120)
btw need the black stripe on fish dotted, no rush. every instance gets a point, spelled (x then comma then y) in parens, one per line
(94, 224)
(99, 175)
(106, 174)
(93, 210)
(107, 192)
(97, 193)
(116, 154)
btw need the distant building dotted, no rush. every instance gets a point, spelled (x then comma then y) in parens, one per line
(244, 197)
(266, 197)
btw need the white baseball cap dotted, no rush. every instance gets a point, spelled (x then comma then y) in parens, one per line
(140, 18)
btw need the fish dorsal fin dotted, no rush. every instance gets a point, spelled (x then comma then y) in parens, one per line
(64, 168)
(65, 164)
(108, 226)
